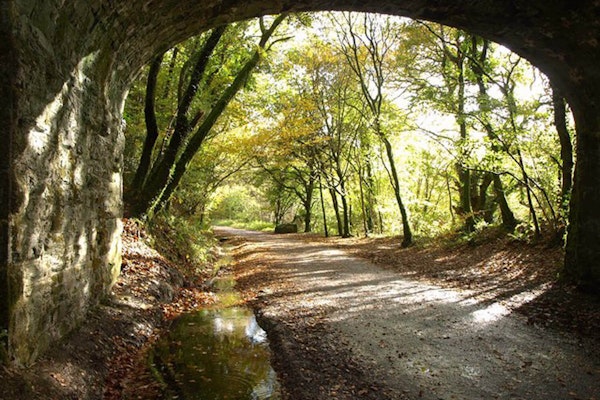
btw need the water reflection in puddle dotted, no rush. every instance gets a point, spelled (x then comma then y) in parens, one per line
(216, 354)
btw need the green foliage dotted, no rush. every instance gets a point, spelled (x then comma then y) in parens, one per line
(523, 232)
(240, 203)
(448, 103)
(217, 66)
(184, 241)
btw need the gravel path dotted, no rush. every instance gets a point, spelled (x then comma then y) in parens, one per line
(411, 340)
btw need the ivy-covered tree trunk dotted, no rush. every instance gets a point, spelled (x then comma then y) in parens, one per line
(172, 63)
(151, 127)
(161, 194)
(169, 171)
(147, 183)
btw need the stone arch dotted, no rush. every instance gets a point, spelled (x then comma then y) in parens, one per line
(65, 68)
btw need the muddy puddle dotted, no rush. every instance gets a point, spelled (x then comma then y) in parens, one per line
(217, 353)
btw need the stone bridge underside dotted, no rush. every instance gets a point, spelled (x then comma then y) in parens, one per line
(65, 66)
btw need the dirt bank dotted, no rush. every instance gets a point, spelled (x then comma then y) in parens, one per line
(99, 360)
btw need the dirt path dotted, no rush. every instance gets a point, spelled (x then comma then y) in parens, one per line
(343, 328)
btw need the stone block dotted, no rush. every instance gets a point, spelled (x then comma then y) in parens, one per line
(286, 228)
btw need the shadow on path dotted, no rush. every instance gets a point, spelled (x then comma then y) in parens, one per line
(416, 340)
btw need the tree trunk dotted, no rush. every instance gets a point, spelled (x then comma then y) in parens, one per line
(583, 235)
(450, 202)
(326, 231)
(277, 212)
(407, 240)
(464, 174)
(151, 127)
(172, 63)
(509, 222)
(345, 213)
(566, 147)
(525, 177)
(161, 192)
(202, 212)
(465, 210)
(485, 208)
(159, 176)
(362, 203)
(345, 232)
(336, 209)
(162, 187)
(370, 194)
(480, 183)
(308, 205)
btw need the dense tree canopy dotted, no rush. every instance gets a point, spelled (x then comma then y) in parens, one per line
(354, 124)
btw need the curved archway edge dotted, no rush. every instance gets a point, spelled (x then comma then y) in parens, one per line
(65, 68)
